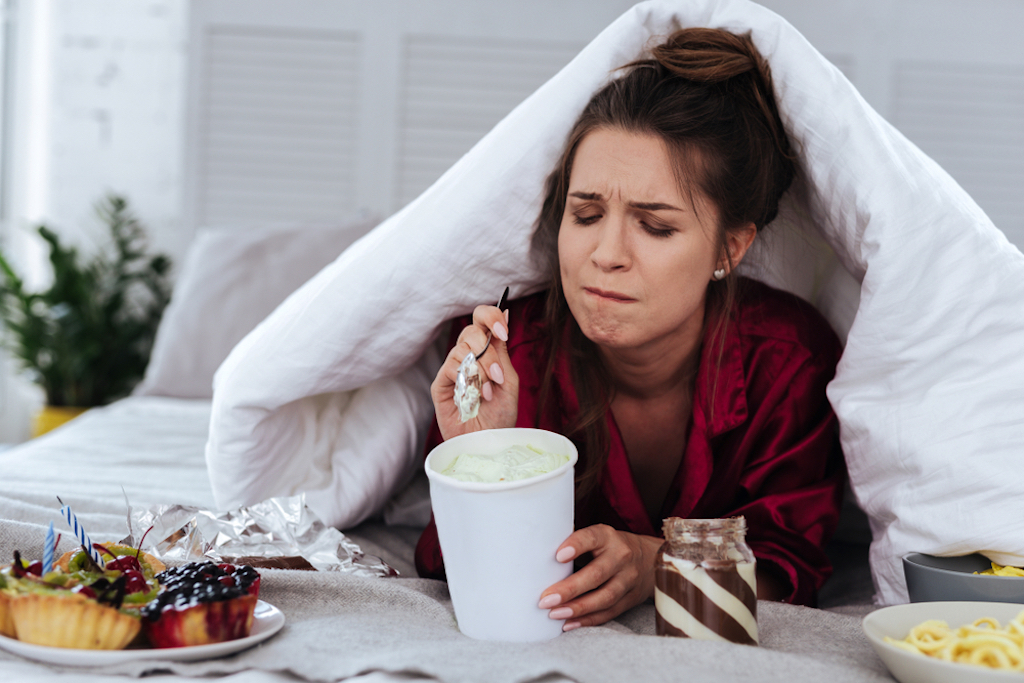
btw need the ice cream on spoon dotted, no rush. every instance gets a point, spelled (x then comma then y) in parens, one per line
(468, 381)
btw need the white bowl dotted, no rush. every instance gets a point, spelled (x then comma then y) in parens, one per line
(908, 667)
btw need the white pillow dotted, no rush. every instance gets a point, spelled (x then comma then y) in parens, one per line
(929, 392)
(231, 279)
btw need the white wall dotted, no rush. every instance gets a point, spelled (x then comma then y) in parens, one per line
(117, 111)
(100, 108)
(948, 74)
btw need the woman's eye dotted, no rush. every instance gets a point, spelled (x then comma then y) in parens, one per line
(656, 232)
(585, 220)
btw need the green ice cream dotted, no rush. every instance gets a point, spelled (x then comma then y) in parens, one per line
(512, 464)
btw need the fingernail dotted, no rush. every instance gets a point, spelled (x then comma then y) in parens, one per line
(500, 332)
(496, 374)
(565, 554)
(570, 625)
(506, 315)
(549, 601)
(561, 613)
(487, 391)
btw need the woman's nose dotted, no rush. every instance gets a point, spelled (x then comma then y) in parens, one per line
(611, 252)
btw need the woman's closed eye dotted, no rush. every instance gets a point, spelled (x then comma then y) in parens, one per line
(586, 220)
(655, 230)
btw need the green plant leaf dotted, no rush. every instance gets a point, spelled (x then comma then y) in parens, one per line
(87, 338)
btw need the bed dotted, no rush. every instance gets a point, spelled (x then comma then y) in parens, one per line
(873, 234)
(149, 450)
(340, 626)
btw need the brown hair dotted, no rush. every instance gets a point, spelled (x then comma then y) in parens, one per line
(708, 95)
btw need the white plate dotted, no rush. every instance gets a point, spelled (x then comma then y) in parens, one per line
(267, 621)
(908, 667)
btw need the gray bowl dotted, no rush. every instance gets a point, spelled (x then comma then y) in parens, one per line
(934, 579)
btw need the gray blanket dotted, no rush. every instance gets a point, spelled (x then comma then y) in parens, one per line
(339, 626)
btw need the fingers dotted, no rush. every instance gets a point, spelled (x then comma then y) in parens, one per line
(472, 339)
(499, 381)
(585, 540)
(620, 576)
(494, 360)
(614, 565)
(488, 321)
(493, 319)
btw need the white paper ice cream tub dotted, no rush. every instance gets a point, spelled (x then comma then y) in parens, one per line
(499, 539)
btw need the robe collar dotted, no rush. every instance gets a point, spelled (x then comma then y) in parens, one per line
(719, 405)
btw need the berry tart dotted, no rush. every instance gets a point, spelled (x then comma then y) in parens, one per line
(201, 603)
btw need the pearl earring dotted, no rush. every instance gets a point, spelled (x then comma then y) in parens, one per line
(720, 273)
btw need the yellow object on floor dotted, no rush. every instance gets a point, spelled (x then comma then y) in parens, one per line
(51, 417)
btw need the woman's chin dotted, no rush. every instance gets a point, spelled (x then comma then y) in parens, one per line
(607, 334)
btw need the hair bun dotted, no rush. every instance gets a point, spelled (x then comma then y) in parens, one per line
(708, 55)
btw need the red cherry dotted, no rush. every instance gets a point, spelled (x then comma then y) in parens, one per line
(227, 580)
(227, 567)
(125, 563)
(35, 568)
(84, 590)
(134, 581)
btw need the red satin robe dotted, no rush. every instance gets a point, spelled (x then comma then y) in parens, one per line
(768, 450)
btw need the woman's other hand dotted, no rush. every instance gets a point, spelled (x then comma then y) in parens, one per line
(620, 576)
(500, 405)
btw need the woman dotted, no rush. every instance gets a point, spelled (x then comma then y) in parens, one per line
(689, 391)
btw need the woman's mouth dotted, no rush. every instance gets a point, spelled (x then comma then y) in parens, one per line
(607, 295)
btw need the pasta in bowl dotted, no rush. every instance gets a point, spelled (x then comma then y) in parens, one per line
(916, 646)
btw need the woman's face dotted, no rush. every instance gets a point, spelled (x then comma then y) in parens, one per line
(635, 259)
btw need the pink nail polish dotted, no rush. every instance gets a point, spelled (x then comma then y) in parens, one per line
(561, 613)
(487, 391)
(570, 625)
(496, 374)
(549, 601)
(565, 554)
(500, 332)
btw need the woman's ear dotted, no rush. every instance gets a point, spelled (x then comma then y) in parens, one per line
(737, 242)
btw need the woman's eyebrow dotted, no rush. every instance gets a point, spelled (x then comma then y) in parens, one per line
(643, 206)
(653, 206)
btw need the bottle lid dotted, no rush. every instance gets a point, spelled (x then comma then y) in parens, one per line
(674, 526)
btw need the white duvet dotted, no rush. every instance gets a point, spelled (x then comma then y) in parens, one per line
(330, 393)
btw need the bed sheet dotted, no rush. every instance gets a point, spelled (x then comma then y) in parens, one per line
(342, 627)
(152, 447)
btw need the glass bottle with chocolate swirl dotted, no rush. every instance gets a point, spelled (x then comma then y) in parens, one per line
(705, 586)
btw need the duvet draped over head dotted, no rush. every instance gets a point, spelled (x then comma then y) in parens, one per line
(330, 394)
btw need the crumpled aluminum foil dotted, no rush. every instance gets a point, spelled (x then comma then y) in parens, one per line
(277, 527)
